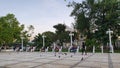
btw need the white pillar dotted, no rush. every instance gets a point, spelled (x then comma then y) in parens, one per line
(22, 43)
(110, 43)
(43, 40)
(93, 49)
(102, 48)
(71, 39)
(78, 49)
(71, 34)
(53, 50)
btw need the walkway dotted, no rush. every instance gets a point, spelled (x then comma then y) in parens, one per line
(49, 60)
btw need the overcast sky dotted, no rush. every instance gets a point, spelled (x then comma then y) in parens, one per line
(42, 14)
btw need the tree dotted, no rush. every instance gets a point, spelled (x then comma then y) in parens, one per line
(38, 41)
(80, 13)
(60, 28)
(97, 14)
(50, 38)
(10, 29)
(107, 18)
(61, 34)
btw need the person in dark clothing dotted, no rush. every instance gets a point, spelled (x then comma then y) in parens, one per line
(73, 49)
(84, 49)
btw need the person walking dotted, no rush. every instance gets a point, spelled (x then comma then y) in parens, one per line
(84, 49)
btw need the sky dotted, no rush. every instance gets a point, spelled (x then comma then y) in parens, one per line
(42, 14)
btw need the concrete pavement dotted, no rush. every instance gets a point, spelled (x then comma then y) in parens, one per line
(49, 60)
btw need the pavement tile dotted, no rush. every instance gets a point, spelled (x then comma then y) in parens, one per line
(4, 63)
(65, 62)
(43, 60)
(23, 65)
(53, 66)
(89, 64)
(116, 65)
(104, 65)
(48, 60)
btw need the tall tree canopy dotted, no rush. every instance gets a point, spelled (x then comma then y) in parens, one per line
(38, 40)
(50, 38)
(100, 15)
(10, 29)
(61, 34)
(60, 28)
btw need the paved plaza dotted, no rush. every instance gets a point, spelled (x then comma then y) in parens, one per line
(49, 60)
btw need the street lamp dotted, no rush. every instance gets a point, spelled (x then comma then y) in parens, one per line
(22, 42)
(94, 31)
(43, 40)
(71, 34)
(110, 44)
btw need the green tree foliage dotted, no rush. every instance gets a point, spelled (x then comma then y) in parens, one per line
(10, 29)
(107, 17)
(61, 34)
(97, 14)
(50, 38)
(80, 13)
(60, 28)
(38, 41)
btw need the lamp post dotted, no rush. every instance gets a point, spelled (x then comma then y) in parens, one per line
(43, 40)
(22, 42)
(71, 34)
(94, 44)
(53, 50)
(110, 43)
